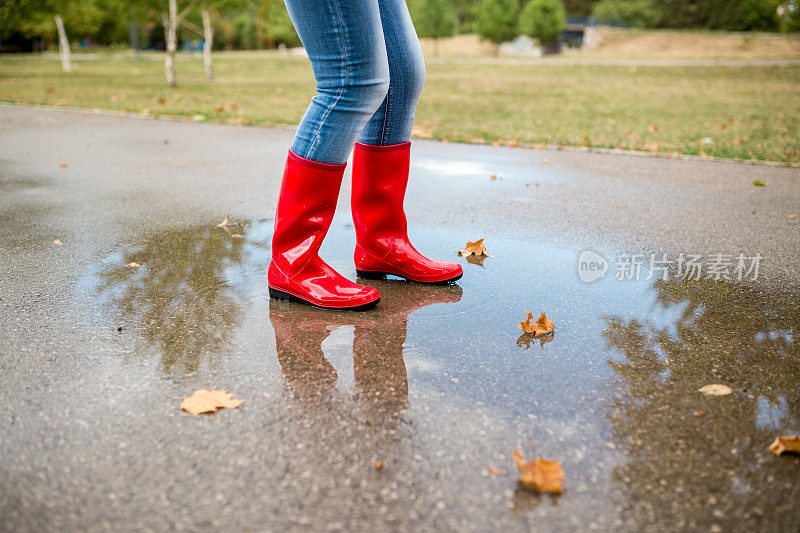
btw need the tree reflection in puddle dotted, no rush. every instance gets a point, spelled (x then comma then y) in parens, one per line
(714, 471)
(187, 295)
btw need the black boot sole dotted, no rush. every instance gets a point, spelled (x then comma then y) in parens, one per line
(372, 274)
(275, 294)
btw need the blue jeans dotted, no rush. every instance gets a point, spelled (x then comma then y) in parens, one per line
(369, 69)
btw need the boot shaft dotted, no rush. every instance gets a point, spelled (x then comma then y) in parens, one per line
(380, 178)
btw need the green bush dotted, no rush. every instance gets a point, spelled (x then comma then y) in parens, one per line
(543, 20)
(636, 13)
(496, 20)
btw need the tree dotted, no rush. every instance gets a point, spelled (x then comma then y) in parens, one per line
(543, 20)
(497, 20)
(48, 19)
(435, 19)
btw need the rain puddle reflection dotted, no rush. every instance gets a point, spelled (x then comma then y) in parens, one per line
(612, 394)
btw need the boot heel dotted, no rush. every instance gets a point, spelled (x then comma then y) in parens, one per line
(275, 294)
(369, 274)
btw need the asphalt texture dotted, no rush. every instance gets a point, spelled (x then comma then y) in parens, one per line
(436, 384)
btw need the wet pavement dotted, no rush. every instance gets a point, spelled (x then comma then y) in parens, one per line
(437, 383)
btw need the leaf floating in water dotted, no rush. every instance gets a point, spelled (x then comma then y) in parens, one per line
(476, 248)
(224, 222)
(133, 264)
(209, 401)
(540, 475)
(542, 326)
(715, 389)
(785, 444)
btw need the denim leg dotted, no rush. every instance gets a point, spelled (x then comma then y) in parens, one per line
(345, 43)
(391, 123)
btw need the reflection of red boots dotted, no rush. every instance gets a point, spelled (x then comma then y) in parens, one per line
(305, 209)
(380, 176)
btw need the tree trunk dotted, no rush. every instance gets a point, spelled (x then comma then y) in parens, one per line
(63, 45)
(171, 29)
(208, 41)
(133, 29)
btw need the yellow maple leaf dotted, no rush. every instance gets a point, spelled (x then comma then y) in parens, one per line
(476, 248)
(209, 401)
(541, 326)
(540, 475)
(785, 444)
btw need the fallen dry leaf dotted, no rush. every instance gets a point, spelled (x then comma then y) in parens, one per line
(699, 414)
(476, 248)
(209, 401)
(493, 177)
(63, 165)
(542, 326)
(791, 216)
(377, 465)
(545, 161)
(652, 128)
(57, 242)
(133, 264)
(224, 222)
(785, 444)
(236, 236)
(219, 108)
(540, 475)
(715, 389)
(536, 183)
(496, 471)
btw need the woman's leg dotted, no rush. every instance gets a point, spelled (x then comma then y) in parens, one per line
(381, 163)
(345, 42)
(391, 123)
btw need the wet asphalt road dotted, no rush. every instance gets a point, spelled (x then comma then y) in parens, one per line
(437, 383)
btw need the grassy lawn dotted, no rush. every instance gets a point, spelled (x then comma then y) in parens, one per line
(732, 112)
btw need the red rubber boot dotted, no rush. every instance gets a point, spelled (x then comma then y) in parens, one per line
(305, 209)
(380, 176)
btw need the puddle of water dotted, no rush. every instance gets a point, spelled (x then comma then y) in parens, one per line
(441, 383)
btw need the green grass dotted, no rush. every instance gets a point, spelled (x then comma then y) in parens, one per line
(731, 112)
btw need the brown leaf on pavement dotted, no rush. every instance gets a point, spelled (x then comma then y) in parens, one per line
(476, 248)
(209, 401)
(496, 471)
(541, 326)
(540, 475)
(715, 389)
(785, 444)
